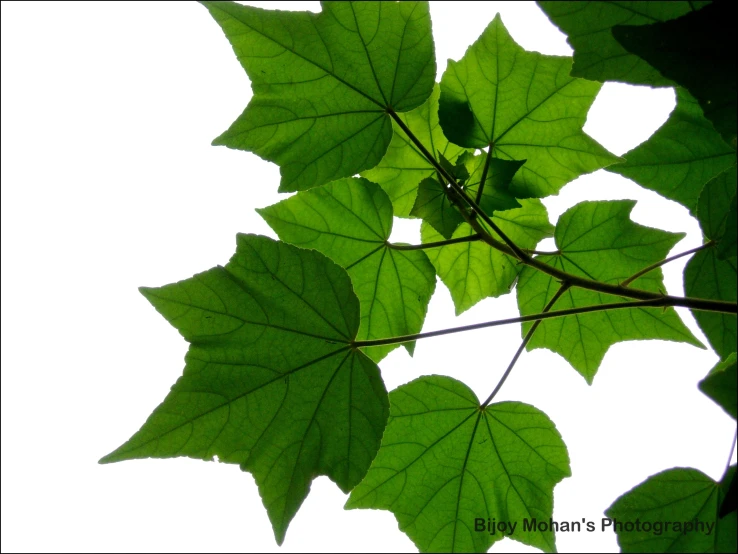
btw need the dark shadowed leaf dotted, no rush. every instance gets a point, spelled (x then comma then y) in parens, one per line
(697, 52)
(323, 83)
(433, 205)
(272, 382)
(597, 55)
(445, 463)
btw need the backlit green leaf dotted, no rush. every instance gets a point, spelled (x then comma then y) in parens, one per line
(350, 221)
(598, 240)
(474, 270)
(271, 382)
(496, 195)
(597, 55)
(527, 106)
(434, 206)
(716, 212)
(446, 466)
(683, 155)
(720, 385)
(697, 52)
(403, 166)
(323, 83)
(707, 276)
(674, 511)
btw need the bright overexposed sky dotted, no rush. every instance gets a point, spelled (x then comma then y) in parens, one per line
(109, 182)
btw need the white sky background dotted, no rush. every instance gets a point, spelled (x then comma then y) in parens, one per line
(109, 182)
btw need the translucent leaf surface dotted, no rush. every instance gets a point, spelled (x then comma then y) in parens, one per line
(271, 381)
(445, 464)
(683, 155)
(403, 167)
(598, 240)
(323, 83)
(720, 385)
(474, 270)
(526, 106)
(350, 221)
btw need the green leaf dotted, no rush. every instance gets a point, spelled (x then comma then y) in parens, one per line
(713, 208)
(527, 106)
(323, 83)
(696, 51)
(474, 270)
(674, 511)
(683, 155)
(350, 221)
(403, 167)
(434, 206)
(727, 245)
(707, 276)
(720, 385)
(272, 382)
(445, 464)
(597, 55)
(496, 195)
(597, 240)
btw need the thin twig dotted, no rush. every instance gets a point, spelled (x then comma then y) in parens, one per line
(651, 267)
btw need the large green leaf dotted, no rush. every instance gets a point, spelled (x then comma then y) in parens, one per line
(446, 466)
(674, 511)
(683, 155)
(720, 385)
(473, 270)
(597, 240)
(350, 221)
(272, 382)
(716, 211)
(597, 55)
(707, 276)
(526, 106)
(403, 167)
(323, 83)
(696, 51)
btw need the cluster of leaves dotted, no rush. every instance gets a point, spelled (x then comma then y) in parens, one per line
(281, 375)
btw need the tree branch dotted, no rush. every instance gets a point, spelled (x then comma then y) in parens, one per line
(661, 301)
(470, 238)
(562, 289)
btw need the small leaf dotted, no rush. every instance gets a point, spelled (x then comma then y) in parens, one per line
(597, 55)
(496, 195)
(272, 382)
(683, 155)
(674, 511)
(323, 83)
(434, 206)
(350, 221)
(403, 167)
(707, 276)
(526, 106)
(720, 385)
(445, 465)
(474, 270)
(697, 52)
(598, 241)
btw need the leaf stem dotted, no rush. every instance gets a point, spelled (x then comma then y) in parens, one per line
(562, 289)
(484, 175)
(470, 238)
(661, 301)
(517, 252)
(651, 267)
